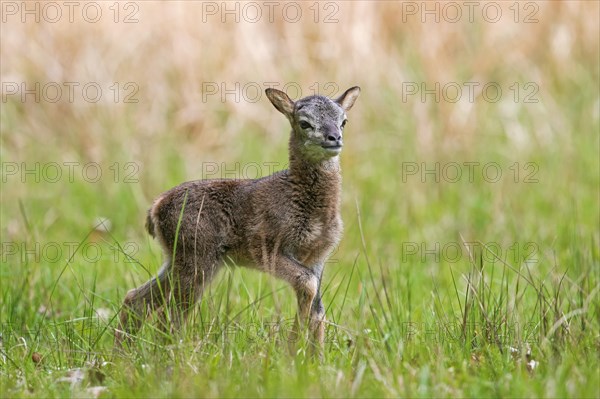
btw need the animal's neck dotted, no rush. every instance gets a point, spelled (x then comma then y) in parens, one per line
(315, 174)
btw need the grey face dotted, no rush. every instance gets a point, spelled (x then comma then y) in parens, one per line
(317, 121)
(318, 124)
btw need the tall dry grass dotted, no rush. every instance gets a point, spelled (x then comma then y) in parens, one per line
(170, 53)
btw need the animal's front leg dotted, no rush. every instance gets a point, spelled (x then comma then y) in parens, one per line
(304, 281)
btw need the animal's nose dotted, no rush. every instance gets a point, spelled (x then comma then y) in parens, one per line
(334, 137)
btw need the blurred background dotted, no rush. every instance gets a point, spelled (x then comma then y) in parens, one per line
(106, 105)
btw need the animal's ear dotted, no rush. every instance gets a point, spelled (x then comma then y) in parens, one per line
(347, 99)
(281, 101)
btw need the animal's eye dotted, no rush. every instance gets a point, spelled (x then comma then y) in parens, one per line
(305, 125)
(344, 123)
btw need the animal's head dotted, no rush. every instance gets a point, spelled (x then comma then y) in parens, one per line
(317, 122)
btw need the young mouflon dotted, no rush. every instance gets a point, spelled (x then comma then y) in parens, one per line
(285, 224)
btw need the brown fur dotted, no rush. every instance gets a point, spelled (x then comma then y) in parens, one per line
(285, 224)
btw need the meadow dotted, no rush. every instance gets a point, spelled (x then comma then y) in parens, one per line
(470, 260)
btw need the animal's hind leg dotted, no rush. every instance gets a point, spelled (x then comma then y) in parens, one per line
(188, 285)
(141, 301)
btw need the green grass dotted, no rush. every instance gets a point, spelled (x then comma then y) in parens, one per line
(408, 314)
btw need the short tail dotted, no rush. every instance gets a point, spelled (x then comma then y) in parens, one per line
(150, 223)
